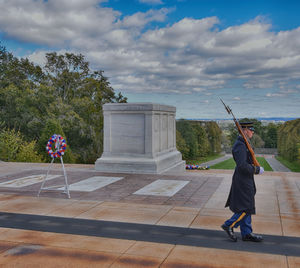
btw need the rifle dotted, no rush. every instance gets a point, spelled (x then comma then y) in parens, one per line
(229, 111)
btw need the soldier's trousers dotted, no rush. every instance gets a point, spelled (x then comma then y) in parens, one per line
(241, 219)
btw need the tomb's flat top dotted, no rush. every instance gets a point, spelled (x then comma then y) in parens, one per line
(140, 106)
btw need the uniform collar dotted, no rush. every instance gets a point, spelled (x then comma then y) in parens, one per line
(241, 138)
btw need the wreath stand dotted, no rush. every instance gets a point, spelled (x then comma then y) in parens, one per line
(58, 144)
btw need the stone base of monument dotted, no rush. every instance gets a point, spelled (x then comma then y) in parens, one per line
(170, 162)
(139, 138)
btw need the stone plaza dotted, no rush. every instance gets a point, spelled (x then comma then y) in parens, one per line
(123, 220)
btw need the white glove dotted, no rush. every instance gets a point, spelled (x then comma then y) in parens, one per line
(261, 170)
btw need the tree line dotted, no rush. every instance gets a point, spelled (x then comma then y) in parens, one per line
(196, 139)
(64, 97)
(289, 140)
(265, 136)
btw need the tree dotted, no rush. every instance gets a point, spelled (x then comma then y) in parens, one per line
(26, 109)
(203, 146)
(181, 145)
(214, 134)
(18, 71)
(298, 146)
(288, 140)
(187, 133)
(80, 95)
(233, 133)
(198, 138)
(257, 141)
(72, 78)
(66, 73)
(20, 86)
(66, 91)
(270, 136)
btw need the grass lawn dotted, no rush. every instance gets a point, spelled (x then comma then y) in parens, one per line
(293, 166)
(263, 162)
(227, 164)
(230, 164)
(203, 159)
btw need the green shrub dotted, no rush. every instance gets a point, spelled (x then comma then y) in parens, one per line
(27, 153)
(14, 148)
(10, 142)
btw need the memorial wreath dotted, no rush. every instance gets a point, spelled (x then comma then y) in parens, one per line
(60, 146)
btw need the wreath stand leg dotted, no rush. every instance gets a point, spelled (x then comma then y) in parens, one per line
(66, 191)
(55, 187)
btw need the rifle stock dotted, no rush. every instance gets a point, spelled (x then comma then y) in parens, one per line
(229, 111)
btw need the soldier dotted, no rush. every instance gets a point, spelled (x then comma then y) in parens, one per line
(241, 197)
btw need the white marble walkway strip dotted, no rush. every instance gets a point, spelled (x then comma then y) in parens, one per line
(162, 188)
(92, 184)
(26, 181)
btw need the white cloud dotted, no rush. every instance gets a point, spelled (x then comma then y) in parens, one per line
(39, 56)
(288, 91)
(191, 55)
(54, 22)
(140, 19)
(155, 2)
(181, 34)
(260, 84)
(274, 95)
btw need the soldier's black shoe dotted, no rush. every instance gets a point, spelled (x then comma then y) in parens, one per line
(252, 237)
(229, 232)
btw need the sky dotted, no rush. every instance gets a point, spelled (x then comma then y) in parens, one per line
(184, 53)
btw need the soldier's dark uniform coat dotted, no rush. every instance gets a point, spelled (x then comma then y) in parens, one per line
(242, 192)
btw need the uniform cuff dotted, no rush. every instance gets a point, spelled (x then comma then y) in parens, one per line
(256, 169)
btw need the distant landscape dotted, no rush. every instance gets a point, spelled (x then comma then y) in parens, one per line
(276, 119)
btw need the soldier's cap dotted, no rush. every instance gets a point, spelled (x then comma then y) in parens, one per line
(248, 125)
